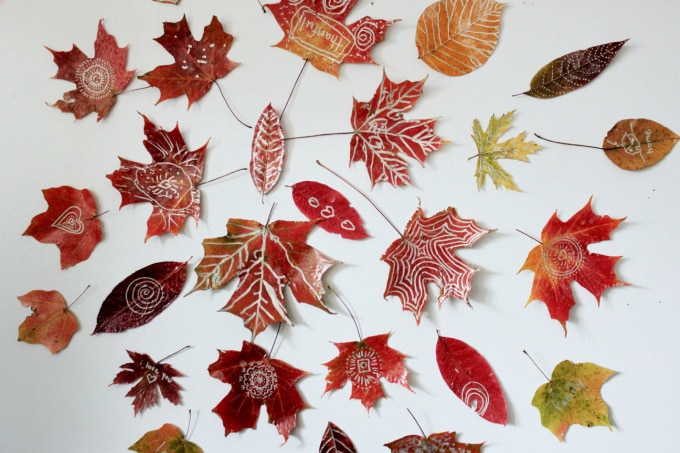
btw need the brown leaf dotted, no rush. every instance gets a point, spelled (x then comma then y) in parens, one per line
(638, 143)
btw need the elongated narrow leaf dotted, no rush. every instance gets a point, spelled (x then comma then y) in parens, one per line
(471, 378)
(634, 144)
(268, 151)
(335, 440)
(573, 70)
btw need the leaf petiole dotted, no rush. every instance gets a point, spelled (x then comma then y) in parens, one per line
(536, 365)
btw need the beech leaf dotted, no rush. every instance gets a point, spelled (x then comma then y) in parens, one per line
(563, 257)
(70, 223)
(444, 442)
(335, 440)
(455, 37)
(638, 143)
(268, 151)
(573, 397)
(167, 439)
(141, 297)
(573, 70)
(51, 323)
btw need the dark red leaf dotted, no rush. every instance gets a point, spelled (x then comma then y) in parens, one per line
(444, 442)
(335, 440)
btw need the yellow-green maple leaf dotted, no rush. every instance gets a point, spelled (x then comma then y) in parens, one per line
(490, 150)
(573, 397)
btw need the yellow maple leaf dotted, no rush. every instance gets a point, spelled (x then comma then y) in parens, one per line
(490, 150)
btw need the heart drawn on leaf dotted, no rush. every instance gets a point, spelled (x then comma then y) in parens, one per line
(69, 221)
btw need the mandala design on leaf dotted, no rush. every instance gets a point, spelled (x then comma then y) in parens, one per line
(198, 64)
(257, 379)
(444, 442)
(70, 222)
(268, 151)
(169, 183)
(381, 133)
(98, 80)
(425, 254)
(264, 258)
(573, 397)
(490, 150)
(151, 379)
(167, 439)
(455, 37)
(315, 30)
(563, 257)
(335, 440)
(51, 324)
(364, 363)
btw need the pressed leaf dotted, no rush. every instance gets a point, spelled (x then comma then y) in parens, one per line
(268, 151)
(51, 324)
(573, 70)
(638, 143)
(335, 440)
(573, 397)
(166, 439)
(455, 37)
(471, 378)
(444, 442)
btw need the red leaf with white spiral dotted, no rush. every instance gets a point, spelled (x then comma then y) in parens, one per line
(268, 151)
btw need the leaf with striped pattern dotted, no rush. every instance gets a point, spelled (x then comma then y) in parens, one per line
(335, 440)
(456, 37)
(268, 151)
(425, 254)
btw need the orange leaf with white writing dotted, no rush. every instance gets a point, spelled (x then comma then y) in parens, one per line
(268, 151)
(51, 324)
(444, 442)
(634, 144)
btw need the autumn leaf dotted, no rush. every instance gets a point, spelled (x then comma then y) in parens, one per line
(198, 64)
(70, 222)
(364, 363)
(455, 37)
(315, 30)
(573, 397)
(151, 379)
(335, 440)
(471, 378)
(381, 133)
(573, 70)
(563, 257)
(633, 144)
(141, 297)
(257, 379)
(425, 254)
(169, 183)
(268, 151)
(265, 258)
(333, 211)
(98, 80)
(489, 150)
(51, 323)
(167, 439)
(444, 442)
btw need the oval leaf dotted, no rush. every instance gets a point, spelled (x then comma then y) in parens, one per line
(51, 324)
(335, 440)
(633, 144)
(471, 378)
(268, 151)
(141, 297)
(455, 37)
(573, 70)
(318, 201)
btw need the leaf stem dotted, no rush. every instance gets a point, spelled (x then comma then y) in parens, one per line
(99, 214)
(528, 235)
(326, 134)
(174, 353)
(574, 144)
(294, 85)
(229, 106)
(77, 298)
(220, 177)
(356, 324)
(416, 420)
(536, 365)
(271, 350)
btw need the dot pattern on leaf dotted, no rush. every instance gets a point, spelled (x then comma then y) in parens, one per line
(563, 256)
(95, 78)
(258, 380)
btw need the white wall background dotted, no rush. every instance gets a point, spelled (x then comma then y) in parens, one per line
(64, 402)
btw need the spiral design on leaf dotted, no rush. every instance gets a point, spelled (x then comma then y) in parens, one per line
(258, 380)
(563, 256)
(95, 78)
(336, 6)
(475, 396)
(143, 295)
(365, 35)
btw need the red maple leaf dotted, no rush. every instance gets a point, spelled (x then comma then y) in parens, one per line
(168, 183)
(364, 363)
(70, 222)
(257, 379)
(381, 132)
(152, 379)
(51, 324)
(198, 64)
(315, 30)
(563, 256)
(425, 254)
(265, 258)
(98, 80)
(444, 442)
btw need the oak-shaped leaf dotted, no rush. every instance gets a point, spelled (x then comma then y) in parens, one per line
(167, 439)
(444, 442)
(455, 37)
(425, 254)
(573, 397)
(563, 257)
(198, 64)
(51, 323)
(268, 151)
(169, 183)
(265, 259)
(316, 31)
(364, 363)
(634, 144)
(141, 297)
(334, 212)
(98, 80)
(257, 379)
(151, 379)
(335, 440)
(381, 134)
(70, 223)
(471, 378)
(489, 150)
(573, 70)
